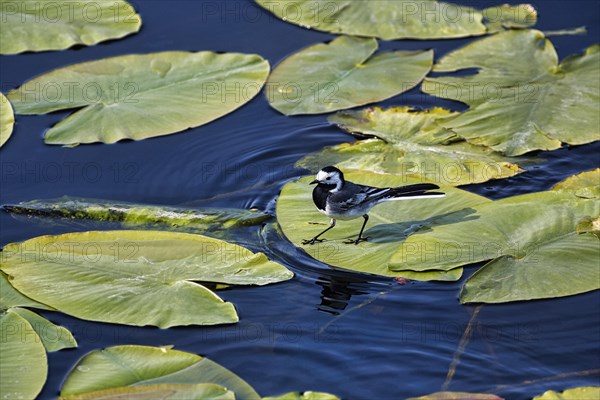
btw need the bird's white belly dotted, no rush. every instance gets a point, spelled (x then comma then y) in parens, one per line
(353, 213)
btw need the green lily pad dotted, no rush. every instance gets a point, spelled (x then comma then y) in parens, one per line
(303, 396)
(580, 393)
(585, 184)
(7, 119)
(204, 391)
(10, 297)
(115, 96)
(30, 25)
(385, 19)
(53, 337)
(411, 143)
(457, 396)
(125, 276)
(521, 99)
(531, 241)
(23, 365)
(132, 215)
(389, 225)
(506, 16)
(343, 73)
(143, 366)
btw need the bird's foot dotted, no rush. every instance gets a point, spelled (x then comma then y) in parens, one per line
(356, 241)
(312, 241)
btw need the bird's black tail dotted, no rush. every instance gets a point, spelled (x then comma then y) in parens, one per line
(416, 190)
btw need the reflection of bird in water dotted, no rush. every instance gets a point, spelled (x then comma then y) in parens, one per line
(336, 293)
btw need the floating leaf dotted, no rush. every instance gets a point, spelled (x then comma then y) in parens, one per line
(410, 142)
(521, 99)
(125, 276)
(585, 184)
(10, 297)
(303, 396)
(23, 365)
(385, 19)
(53, 337)
(506, 16)
(341, 74)
(457, 396)
(389, 224)
(530, 239)
(30, 25)
(7, 119)
(139, 366)
(179, 90)
(580, 393)
(139, 215)
(204, 391)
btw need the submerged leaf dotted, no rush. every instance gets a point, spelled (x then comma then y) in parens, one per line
(177, 89)
(125, 276)
(139, 366)
(23, 365)
(31, 25)
(385, 19)
(411, 143)
(341, 74)
(521, 99)
(580, 393)
(389, 225)
(7, 119)
(204, 391)
(139, 215)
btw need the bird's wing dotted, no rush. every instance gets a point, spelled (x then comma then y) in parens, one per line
(354, 195)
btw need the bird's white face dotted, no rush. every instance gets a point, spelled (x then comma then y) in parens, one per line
(330, 178)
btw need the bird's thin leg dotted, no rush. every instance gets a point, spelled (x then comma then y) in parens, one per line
(316, 238)
(360, 238)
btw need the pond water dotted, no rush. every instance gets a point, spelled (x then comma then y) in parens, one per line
(325, 330)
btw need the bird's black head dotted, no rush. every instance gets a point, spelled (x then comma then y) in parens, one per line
(330, 176)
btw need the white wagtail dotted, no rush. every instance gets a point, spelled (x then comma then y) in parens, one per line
(340, 199)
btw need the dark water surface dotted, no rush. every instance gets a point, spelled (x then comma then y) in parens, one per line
(324, 330)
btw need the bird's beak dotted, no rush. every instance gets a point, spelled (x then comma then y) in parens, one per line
(313, 182)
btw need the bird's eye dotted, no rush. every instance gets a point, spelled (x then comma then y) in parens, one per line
(328, 178)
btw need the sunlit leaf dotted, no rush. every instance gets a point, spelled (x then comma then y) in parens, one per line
(457, 396)
(585, 184)
(53, 337)
(410, 142)
(303, 396)
(580, 393)
(10, 297)
(204, 391)
(531, 241)
(389, 225)
(33, 25)
(521, 99)
(120, 366)
(386, 19)
(341, 74)
(115, 96)
(506, 16)
(23, 364)
(125, 276)
(7, 119)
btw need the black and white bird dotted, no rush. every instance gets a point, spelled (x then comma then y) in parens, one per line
(341, 199)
